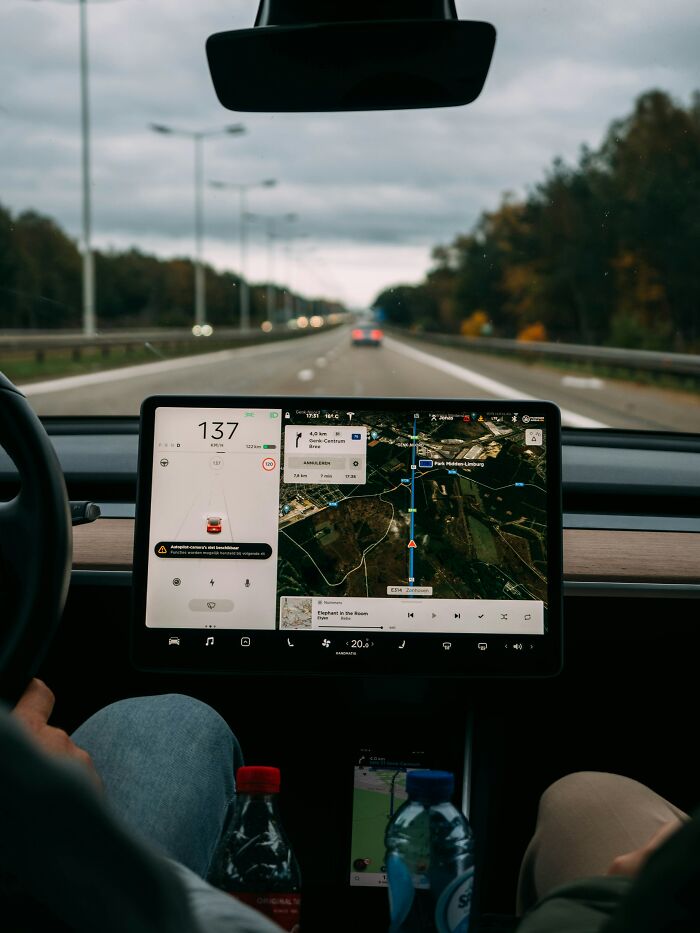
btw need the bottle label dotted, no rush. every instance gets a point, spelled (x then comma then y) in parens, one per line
(284, 909)
(401, 891)
(454, 904)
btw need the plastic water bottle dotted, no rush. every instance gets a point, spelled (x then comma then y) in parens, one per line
(254, 861)
(429, 859)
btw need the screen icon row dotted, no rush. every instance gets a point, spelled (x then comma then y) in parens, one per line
(174, 641)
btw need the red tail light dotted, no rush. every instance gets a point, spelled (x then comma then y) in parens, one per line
(377, 335)
(357, 335)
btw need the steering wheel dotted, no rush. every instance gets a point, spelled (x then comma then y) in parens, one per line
(35, 545)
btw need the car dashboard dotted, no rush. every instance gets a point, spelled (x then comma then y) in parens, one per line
(624, 701)
(631, 505)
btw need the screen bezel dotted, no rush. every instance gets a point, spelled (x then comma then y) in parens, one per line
(269, 653)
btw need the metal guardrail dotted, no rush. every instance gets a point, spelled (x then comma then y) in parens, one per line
(42, 344)
(679, 364)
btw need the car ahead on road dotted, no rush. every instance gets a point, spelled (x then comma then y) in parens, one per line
(370, 508)
(367, 334)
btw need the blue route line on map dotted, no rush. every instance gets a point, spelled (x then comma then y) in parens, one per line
(413, 500)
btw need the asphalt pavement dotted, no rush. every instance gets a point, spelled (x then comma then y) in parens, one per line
(326, 364)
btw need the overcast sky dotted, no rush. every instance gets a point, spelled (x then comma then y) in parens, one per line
(373, 192)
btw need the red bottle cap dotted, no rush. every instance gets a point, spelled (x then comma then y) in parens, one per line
(257, 779)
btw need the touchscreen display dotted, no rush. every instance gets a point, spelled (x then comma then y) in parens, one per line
(350, 524)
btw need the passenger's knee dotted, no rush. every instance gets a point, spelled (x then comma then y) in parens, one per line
(579, 789)
(177, 707)
(162, 715)
(202, 720)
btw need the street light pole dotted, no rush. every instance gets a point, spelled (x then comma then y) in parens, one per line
(200, 293)
(273, 226)
(270, 290)
(290, 302)
(88, 310)
(243, 189)
(88, 258)
(245, 291)
(198, 137)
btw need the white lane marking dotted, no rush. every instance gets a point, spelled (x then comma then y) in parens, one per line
(150, 369)
(337, 350)
(582, 382)
(492, 386)
(305, 375)
(321, 362)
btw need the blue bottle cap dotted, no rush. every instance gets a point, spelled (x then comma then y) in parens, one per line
(430, 786)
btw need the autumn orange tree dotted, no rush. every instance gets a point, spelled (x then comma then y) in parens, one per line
(604, 251)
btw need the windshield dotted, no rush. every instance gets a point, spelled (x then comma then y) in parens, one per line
(539, 243)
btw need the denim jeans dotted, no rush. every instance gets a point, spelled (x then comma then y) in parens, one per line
(167, 764)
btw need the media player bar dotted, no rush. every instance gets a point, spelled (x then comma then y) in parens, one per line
(401, 614)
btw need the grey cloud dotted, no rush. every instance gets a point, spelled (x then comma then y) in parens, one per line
(560, 74)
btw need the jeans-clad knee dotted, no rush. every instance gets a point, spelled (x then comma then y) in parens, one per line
(167, 764)
(168, 709)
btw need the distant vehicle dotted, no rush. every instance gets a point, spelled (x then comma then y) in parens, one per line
(214, 525)
(367, 334)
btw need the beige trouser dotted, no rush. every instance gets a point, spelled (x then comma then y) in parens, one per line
(584, 821)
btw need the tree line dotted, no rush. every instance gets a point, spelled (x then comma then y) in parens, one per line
(601, 252)
(41, 284)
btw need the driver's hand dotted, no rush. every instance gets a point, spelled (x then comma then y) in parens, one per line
(33, 711)
(631, 863)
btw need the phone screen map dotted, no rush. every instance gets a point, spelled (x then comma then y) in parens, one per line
(379, 789)
(369, 521)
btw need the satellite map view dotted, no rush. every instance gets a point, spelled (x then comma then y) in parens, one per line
(456, 503)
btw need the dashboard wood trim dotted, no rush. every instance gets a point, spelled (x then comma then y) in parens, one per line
(613, 556)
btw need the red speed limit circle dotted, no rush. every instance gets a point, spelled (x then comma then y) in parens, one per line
(269, 464)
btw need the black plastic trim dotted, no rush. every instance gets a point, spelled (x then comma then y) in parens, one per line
(629, 439)
(57, 425)
(651, 590)
(601, 522)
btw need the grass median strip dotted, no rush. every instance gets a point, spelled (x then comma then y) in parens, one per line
(26, 366)
(23, 367)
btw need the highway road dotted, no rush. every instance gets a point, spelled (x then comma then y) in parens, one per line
(326, 364)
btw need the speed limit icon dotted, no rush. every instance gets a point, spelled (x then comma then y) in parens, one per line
(269, 464)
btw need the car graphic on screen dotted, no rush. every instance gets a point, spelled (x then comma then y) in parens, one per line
(214, 524)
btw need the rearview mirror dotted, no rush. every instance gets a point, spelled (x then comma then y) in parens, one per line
(388, 64)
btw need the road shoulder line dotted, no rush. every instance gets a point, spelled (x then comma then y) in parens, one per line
(498, 389)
